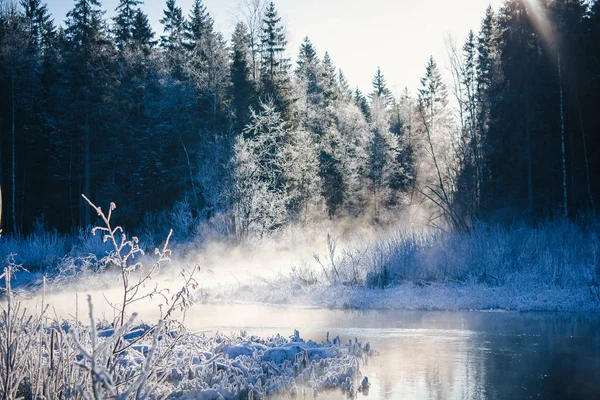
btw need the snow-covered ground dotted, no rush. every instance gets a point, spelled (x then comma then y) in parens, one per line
(409, 296)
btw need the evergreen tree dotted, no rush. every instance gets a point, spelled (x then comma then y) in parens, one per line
(361, 101)
(470, 171)
(520, 131)
(380, 88)
(345, 91)
(199, 25)
(308, 85)
(124, 22)
(141, 33)
(242, 89)
(172, 40)
(207, 66)
(41, 27)
(382, 153)
(433, 95)
(437, 135)
(90, 80)
(275, 80)
(301, 174)
(329, 81)
(307, 60)
(332, 171)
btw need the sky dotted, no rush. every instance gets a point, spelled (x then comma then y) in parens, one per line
(397, 35)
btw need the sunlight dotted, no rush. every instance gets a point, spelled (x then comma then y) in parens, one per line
(541, 21)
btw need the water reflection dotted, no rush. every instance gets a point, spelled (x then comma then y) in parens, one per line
(431, 355)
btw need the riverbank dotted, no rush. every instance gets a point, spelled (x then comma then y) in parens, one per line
(408, 296)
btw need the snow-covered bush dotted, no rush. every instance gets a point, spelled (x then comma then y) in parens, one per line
(553, 254)
(38, 251)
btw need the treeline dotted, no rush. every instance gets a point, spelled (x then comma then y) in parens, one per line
(242, 136)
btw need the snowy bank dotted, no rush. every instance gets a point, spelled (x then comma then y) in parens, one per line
(48, 358)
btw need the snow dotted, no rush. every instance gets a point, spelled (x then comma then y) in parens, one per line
(241, 365)
(530, 296)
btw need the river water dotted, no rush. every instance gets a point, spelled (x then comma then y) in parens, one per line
(422, 354)
(443, 355)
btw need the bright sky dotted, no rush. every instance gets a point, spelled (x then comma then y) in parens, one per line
(398, 35)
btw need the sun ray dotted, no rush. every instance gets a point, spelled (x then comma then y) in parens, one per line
(541, 21)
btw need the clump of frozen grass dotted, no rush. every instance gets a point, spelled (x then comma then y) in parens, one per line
(87, 244)
(555, 254)
(72, 269)
(38, 251)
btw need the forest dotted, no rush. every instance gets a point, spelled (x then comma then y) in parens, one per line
(232, 133)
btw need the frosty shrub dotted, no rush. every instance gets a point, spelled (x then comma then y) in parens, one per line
(555, 254)
(182, 220)
(89, 244)
(37, 251)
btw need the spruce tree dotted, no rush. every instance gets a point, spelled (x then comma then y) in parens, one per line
(242, 89)
(90, 78)
(329, 82)
(275, 80)
(41, 26)
(172, 39)
(198, 25)
(433, 94)
(380, 88)
(345, 91)
(307, 59)
(141, 33)
(124, 22)
(361, 101)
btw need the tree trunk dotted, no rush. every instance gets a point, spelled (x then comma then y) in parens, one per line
(13, 173)
(529, 168)
(587, 162)
(86, 163)
(565, 209)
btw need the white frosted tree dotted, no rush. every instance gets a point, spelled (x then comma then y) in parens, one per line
(258, 194)
(301, 172)
(355, 135)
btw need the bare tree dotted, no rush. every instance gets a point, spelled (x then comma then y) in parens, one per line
(252, 13)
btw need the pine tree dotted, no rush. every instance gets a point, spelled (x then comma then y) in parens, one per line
(329, 81)
(141, 33)
(486, 59)
(380, 88)
(382, 153)
(301, 174)
(307, 60)
(199, 25)
(172, 40)
(345, 91)
(275, 80)
(207, 66)
(361, 101)
(332, 171)
(438, 145)
(433, 95)
(90, 79)
(41, 26)
(243, 90)
(124, 22)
